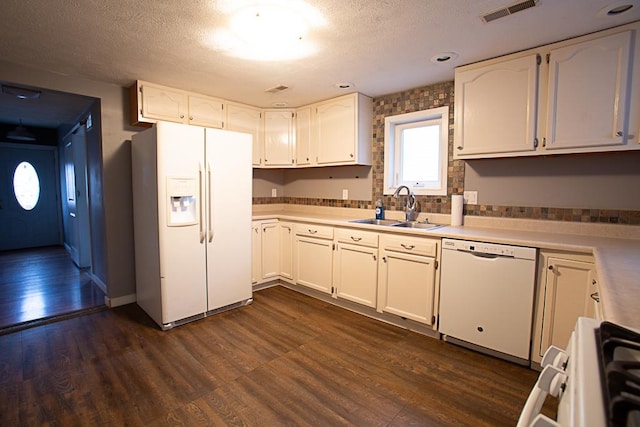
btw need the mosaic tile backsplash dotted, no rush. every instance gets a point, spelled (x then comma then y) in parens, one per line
(434, 96)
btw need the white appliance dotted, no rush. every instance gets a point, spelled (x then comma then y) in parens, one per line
(486, 297)
(192, 221)
(596, 379)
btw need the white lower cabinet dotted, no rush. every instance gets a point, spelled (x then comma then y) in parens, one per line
(407, 277)
(286, 250)
(355, 274)
(567, 289)
(265, 251)
(256, 253)
(313, 256)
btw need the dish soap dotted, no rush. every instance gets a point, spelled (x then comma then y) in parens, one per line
(379, 209)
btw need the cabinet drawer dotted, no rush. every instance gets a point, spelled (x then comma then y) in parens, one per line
(314, 230)
(357, 237)
(410, 245)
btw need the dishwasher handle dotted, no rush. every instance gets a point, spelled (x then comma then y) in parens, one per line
(484, 254)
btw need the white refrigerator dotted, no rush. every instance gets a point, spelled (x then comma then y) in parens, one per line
(192, 221)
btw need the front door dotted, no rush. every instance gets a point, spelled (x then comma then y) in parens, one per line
(29, 208)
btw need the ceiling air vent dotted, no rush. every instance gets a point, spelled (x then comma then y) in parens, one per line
(277, 89)
(508, 10)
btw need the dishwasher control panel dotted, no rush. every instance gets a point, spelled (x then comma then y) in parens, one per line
(489, 248)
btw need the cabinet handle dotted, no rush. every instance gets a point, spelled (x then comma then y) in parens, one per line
(356, 239)
(459, 147)
(594, 296)
(384, 258)
(594, 282)
(375, 258)
(292, 161)
(312, 231)
(409, 247)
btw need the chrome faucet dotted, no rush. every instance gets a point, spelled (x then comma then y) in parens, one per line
(411, 213)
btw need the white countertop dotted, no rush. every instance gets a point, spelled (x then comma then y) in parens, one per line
(617, 259)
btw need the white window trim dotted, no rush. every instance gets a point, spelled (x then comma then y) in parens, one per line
(390, 123)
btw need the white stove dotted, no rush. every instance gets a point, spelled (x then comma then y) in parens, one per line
(596, 379)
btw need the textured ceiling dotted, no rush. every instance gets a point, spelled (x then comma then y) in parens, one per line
(382, 46)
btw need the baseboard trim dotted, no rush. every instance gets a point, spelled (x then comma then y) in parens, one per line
(118, 301)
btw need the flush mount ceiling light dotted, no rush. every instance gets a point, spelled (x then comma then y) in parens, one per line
(266, 30)
(615, 9)
(20, 133)
(442, 57)
(345, 85)
(21, 92)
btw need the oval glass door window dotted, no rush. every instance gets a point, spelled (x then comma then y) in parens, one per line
(26, 185)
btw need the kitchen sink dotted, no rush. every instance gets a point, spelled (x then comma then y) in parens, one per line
(376, 221)
(420, 225)
(395, 223)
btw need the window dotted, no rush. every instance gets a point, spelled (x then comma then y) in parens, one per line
(26, 186)
(416, 151)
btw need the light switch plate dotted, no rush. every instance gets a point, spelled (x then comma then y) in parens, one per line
(274, 192)
(470, 197)
(345, 194)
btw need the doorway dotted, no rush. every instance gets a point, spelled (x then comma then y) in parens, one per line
(46, 270)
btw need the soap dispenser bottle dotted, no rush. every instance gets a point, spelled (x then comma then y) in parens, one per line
(379, 209)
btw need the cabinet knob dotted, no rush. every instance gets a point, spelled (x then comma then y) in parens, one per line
(182, 116)
(619, 133)
(594, 296)
(190, 117)
(351, 155)
(384, 258)
(551, 267)
(593, 282)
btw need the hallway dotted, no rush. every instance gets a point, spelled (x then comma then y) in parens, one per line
(41, 284)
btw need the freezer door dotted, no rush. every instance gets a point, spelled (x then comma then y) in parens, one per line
(182, 251)
(228, 185)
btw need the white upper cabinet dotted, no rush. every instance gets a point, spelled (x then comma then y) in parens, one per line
(587, 96)
(495, 107)
(242, 118)
(303, 137)
(278, 139)
(151, 102)
(583, 96)
(342, 130)
(206, 111)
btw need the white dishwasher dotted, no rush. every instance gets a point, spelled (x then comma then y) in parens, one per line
(486, 296)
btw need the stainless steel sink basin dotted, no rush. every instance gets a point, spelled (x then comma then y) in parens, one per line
(420, 225)
(376, 221)
(395, 223)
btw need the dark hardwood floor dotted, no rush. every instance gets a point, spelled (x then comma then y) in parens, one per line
(287, 359)
(41, 283)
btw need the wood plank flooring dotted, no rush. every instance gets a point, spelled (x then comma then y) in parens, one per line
(42, 283)
(286, 359)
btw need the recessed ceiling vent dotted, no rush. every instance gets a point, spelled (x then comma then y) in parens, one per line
(277, 89)
(508, 10)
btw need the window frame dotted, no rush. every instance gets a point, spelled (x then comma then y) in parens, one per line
(391, 162)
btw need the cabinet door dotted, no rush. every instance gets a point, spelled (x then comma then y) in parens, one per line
(278, 139)
(247, 120)
(270, 250)
(286, 250)
(256, 253)
(313, 263)
(495, 108)
(587, 98)
(335, 131)
(567, 296)
(206, 112)
(356, 274)
(160, 103)
(406, 286)
(303, 136)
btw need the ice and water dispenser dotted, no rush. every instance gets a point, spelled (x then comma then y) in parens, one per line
(183, 197)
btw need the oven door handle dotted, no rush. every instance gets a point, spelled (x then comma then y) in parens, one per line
(549, 381)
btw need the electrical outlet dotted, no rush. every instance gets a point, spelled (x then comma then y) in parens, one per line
(470, 197)
(274, 192)
(345, 194)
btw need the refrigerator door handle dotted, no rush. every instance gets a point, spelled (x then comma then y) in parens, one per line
(202, 233)
(209, 202)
